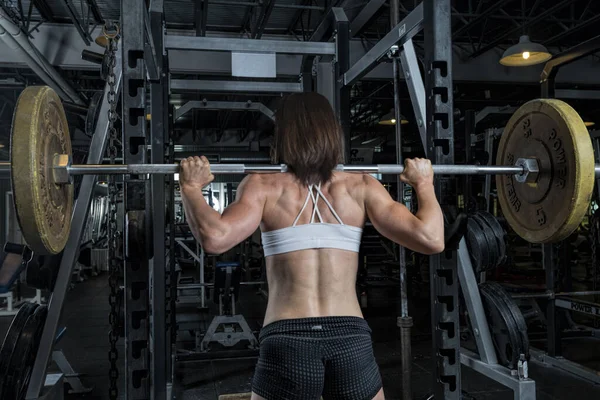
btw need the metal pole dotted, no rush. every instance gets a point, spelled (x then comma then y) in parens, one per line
(159, 101)
(386, 169)
(137, 169)
(202, 288)
(446, 382)
(404, 321)
(551, 295)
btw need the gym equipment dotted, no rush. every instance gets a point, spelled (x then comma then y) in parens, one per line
(490, 244)
(499, 234)
(485, 241)
(13, 260)
(39, 132)
(516, 313)
(227, 328)
(19, 350)
(478, 246)
(505, 333)
(551, 132)
(546, 155)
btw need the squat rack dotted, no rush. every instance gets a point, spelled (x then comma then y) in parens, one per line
(142, 64)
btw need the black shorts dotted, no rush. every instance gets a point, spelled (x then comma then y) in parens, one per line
(312, 357)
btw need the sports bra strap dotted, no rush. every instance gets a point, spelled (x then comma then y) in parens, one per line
(329, 205)
(304, 206)
(315, 199)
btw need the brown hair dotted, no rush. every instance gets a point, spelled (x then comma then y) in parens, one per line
(308, 137)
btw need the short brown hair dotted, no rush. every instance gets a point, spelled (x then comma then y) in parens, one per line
(308, 137)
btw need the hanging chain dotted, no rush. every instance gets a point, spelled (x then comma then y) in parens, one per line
(113, 279)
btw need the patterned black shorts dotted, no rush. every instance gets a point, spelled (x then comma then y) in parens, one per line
(312, 357)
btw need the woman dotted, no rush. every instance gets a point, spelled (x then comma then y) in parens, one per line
(314, 341)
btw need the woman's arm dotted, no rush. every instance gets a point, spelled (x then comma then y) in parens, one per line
(422, 232)
(217, 232)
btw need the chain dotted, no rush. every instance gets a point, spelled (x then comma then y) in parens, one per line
(113, 279)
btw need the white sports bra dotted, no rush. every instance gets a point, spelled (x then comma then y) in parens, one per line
(312, 235)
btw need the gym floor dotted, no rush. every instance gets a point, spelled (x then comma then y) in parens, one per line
(85, 345)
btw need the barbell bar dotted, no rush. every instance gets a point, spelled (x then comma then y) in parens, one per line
(390, 169)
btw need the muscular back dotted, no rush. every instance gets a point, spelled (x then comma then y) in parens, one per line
(320, 282)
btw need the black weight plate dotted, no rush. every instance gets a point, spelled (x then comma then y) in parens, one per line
(516, 313)
(24, 355)
(503, 329)
(492, 247)
(10, 341)
(498, 232)
(477, 244)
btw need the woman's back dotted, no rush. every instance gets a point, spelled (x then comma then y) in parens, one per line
(312, 282)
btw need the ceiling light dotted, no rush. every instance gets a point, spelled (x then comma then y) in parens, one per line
(589, 123)
(390, 119)
(525, 53)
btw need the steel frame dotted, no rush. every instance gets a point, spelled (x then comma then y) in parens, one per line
(175, 42)
(159, 135)
(80, 213)
(82, 29)
(569, 56)
(178, 85)
(440, 149)
(365, 15)
(399, 35)
(136, 199)
(222, 105)
(485, 362)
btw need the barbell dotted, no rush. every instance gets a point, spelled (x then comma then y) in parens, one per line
(545, 173)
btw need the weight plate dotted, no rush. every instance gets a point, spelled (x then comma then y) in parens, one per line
(10, 342)
(503, 328)
(490, 239)
(477, 244)
(499, 234)
(24, 355)
(39, 132)
(551, 208)
(516, 314)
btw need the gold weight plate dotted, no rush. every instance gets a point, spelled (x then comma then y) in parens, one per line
(40, 131)
(552, 208)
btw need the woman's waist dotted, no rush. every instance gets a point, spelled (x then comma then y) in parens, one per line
(310, 305)
(316, 327)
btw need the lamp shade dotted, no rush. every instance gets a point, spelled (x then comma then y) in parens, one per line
(390, 119)
(525, 53)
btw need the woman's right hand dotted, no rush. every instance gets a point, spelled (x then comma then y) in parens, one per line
(417, 171)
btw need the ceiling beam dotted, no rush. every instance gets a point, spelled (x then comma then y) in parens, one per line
(297, 16)
(539, 17)
(365, 16)
(200, 16)
(263, 18)
(576, 28)
(83, 32)
(93, 6)
(43, 9)
(489, 11)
